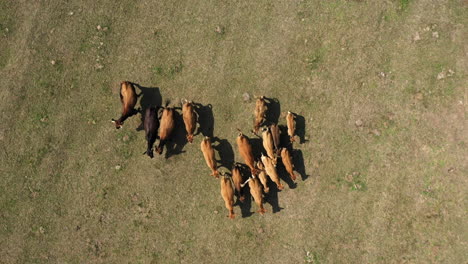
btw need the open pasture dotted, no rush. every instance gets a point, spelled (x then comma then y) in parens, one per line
(380, 88)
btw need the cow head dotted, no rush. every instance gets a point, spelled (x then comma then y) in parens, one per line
(240, 133)
(159, 150)
(118, 123)
(190, 138)
(274, 161)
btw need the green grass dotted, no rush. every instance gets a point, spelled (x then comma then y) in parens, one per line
(312, 257)
(168, 72)
(404, 4)
(7, 29)
(389, 190)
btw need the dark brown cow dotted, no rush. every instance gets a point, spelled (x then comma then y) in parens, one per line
(166, 127)
(151, 125)
(209, 155)
(245, 150)
(260, 113)
(237, 179)
(190, 120)
(128, 97)
(227, 192)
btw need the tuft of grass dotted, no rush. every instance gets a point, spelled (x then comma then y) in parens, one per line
(157, 70)
(176, 68)
(127, 136)
(312, 257)
(353, 181)
(4, 56)
(404, 4)
(314, 60)
(168, 72)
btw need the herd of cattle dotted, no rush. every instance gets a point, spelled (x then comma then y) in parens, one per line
(162, 118)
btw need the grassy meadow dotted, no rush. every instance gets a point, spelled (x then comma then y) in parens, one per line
(380, 88)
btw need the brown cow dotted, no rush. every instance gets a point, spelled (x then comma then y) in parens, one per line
(263, 177)
(256, 192)
(287, 162)
(128, 97)
(275, 134)
(227, 192)
(166, 127)
(260, 113)
(208, 153)
(268, 144)
(237, 179)
(271, 171)
(291, 125)
(189, 119)
(151, 125)
(245, 150)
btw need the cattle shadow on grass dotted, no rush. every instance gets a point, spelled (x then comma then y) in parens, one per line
(298, 161)
(150, 96)
(274, 110)
(272, 197)
(300, 128)
(246, 206)
(284, 138)
(205, 119)
(178, 139)
(225, 151)
(257, 147)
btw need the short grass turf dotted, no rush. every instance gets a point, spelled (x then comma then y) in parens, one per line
(380, 87)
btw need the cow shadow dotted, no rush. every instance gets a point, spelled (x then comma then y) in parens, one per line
(150, 96)
(300, 128)
(178, 139)
(245, 206)
(274, 110)
(298, 161)
(285, 141)
(205, 119)
(271, 197)
(225, 151)
(257, 147)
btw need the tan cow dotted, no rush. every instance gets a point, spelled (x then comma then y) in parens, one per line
(256, 192)
(128, 97)
(271, 171)
(166, 127)
(237, 179)
(245, 150)
(287, 162)
(190, 120)
(260, 113)
(291, 125)
(275, 134)
(208, 153)
(268, 144)
(263, 177)
(227, 192)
